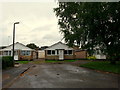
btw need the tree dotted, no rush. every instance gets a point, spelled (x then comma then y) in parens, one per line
(91, 25)
(32, 46)
(43, 47)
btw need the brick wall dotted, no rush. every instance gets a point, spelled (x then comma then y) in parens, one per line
(56, 57)
(80, 54)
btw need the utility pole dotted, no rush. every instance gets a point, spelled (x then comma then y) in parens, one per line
(14, 39)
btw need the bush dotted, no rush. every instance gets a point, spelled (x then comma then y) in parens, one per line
(91, 57)
(7, 61)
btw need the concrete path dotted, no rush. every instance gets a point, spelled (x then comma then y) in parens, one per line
(11, 74)
(63, 76)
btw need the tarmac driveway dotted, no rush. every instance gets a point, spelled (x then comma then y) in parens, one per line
(64, 76)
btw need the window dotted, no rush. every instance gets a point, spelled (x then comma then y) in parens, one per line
(27, 53)
(51, 52)
(68, 52)
(5, 53)
(65, 52)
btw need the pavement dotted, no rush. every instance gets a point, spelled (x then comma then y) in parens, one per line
(11, 74)
(57, 76)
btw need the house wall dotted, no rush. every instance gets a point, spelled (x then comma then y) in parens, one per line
(1, 53)
(56, 57)
(69, 57)
(19, 47)
(28, 57)
(25, 57)
(22, 57)
(80, 54)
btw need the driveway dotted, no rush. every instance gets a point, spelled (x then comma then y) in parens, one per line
(63, 76)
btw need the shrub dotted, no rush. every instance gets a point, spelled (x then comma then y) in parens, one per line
(91, 57)
(7, 61)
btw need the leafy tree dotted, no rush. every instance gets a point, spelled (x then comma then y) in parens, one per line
(43, 47)
(91, 25)
(32, 46)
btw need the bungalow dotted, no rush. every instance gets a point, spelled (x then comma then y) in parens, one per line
(21, 52)
(59, 51)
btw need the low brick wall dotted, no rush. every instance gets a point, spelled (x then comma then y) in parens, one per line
(25, 57)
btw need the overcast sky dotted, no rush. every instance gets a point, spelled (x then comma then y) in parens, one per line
(38, 23)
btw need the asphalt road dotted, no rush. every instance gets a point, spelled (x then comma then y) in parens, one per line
(62, 76)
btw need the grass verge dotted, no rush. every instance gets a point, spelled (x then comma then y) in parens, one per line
(53, 61)
(23, 62)
(103, 66)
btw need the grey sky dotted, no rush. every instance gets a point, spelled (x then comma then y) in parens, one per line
(38, 23)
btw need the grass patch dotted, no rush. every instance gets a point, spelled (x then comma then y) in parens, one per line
(23, 62)
(53, 61)
(38, 62)
(103, 66)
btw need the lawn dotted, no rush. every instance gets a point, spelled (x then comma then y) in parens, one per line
(53, 61)
(23, 62)
(103, 66)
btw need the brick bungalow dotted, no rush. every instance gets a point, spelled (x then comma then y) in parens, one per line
(59, 51)
(21, 52)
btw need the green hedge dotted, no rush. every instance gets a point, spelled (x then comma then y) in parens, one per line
(7, 61)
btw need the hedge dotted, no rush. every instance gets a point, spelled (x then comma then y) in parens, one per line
(7, 61)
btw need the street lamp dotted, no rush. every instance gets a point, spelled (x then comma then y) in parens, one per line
(14, 38)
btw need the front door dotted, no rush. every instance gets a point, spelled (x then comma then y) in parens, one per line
(61, 54)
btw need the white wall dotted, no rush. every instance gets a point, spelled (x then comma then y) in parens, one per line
(100, 56)
(41, 54)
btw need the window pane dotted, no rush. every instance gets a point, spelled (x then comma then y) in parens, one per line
(69, 51)
(48, 51)
(53, 51)
(22, 52)
(28, 53)
(57, 52)
(65, 52)
(5, 53)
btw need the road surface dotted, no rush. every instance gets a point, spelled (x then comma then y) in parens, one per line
(60, 76)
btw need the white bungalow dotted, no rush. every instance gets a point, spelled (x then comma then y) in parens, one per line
(21, 52)
(59, 51)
